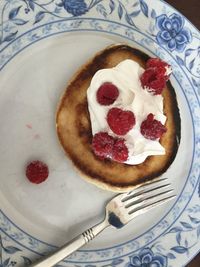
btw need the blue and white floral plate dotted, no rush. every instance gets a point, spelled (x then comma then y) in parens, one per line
(42, 43)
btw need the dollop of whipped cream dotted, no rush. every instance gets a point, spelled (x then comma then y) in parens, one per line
(126, 77)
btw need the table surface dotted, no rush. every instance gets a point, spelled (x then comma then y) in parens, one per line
(191, 10)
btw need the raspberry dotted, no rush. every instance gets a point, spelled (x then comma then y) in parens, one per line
(161, 66)
(37, 172)
(120, 121)
(151, 128)
(107, 94)
(102, 144)
(106, 146)
(153, 81)
(120, 151)
(156, 62)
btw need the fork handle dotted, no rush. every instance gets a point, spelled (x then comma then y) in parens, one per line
(71, 246)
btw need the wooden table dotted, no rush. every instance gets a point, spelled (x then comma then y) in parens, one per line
(191, 10)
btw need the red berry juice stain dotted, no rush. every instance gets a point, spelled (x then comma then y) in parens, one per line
(29, 126)
(36, 136)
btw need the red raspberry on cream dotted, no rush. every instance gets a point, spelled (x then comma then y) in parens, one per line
(102, 144)
(106, 146)
(162, 67)
(107, 94)
(152, 128)
(153, 81)
(120, 151)
(120, 121)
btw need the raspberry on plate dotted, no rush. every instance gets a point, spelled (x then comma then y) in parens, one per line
(120, 121)
(107, 94)
(102, 144)
(120, 151)
(152, 128)
(37, 172)
(153, 81)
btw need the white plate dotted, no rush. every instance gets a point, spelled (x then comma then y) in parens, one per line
(42, 45)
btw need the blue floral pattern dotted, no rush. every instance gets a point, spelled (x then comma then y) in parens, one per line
(9, 256)
(146, 258)
(24, 22)
(75, 7)
(172, 32)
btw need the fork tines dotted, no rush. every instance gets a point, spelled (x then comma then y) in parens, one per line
(147, 196)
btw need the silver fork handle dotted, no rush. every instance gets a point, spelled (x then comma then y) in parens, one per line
(71, 246)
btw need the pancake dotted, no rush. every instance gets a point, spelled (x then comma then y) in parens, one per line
(75, 134)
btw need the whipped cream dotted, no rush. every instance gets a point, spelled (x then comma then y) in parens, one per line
(125, 76)
(168, 70)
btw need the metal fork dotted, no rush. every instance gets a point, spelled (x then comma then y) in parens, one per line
(119, 211)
